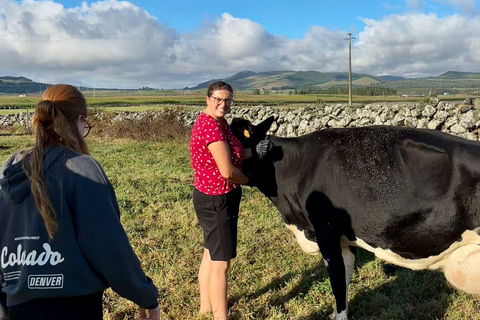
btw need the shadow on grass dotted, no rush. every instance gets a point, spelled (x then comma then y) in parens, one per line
(406, 295)
(308, 278)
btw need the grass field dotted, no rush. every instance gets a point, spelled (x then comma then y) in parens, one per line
(149, 102)
(271, 278)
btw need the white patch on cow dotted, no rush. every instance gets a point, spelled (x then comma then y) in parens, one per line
(310, 247)
(325, 262)
(340, 316)
(434, 262)
(349, 262)
(462, 268)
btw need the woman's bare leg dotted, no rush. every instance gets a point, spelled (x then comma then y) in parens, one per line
(204, 281)
(218, 289)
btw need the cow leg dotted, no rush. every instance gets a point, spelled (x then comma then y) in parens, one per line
(334, 257)
(348, 255)
(462, 268)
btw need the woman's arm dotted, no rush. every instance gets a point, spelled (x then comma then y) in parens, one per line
(221, 155)
(100, 233)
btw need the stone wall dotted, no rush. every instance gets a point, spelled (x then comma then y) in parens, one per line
(458, 118)
(22, 119)
(461, 119)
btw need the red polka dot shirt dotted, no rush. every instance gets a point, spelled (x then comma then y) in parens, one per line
(207, 177)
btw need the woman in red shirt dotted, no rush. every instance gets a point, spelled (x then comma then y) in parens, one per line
(216, 156)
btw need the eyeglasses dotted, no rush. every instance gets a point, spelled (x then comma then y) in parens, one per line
(87, 127)
(218, 101)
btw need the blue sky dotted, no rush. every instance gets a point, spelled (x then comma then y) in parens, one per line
(172, 44)
(290, 19)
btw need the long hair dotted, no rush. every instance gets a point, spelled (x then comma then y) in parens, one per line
(54, 123)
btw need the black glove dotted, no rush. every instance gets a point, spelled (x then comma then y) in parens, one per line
(262, 148)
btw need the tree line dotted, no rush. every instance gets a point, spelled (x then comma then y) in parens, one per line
(360, 91)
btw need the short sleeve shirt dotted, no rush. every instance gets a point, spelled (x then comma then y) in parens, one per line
(207, 177)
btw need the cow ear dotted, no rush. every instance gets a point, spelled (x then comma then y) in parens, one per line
(263, 127)
(239, 128)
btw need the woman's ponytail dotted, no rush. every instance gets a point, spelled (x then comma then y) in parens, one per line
(42, 124)
(54, 123)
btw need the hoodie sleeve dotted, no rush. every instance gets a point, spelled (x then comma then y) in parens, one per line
(101, 235)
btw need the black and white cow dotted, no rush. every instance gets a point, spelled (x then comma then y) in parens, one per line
(410, 196)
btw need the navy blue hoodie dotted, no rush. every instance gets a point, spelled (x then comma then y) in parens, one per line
(90, 251)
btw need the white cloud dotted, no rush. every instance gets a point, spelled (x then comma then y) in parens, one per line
(115, 37)
(418, 45)
(109, 43)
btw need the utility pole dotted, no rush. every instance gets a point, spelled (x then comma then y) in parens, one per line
(349, 68)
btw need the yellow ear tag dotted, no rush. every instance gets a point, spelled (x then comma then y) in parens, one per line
(246, 133)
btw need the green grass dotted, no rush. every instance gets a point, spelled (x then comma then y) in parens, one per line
(271, 278)
(151, 102)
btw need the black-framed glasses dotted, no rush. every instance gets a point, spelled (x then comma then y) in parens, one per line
(219, 101)
(87, 127)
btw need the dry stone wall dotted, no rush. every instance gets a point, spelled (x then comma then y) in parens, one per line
(22, 119)
(461, 119)
(457, 118)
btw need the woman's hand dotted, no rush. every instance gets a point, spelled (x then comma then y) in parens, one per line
(153, 314)
(262, 148)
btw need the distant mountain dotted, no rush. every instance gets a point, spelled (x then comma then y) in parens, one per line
(241, 75)
(459, 75)
(20, 85)
(450, 81)
(288, 79)
(272, 80)
(8, 79)
(391, 78)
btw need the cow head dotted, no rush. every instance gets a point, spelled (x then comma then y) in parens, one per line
(261, 170)
(248, 134)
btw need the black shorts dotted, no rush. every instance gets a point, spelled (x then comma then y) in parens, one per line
(218, 216)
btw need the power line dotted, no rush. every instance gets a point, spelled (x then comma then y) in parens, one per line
(132, 39)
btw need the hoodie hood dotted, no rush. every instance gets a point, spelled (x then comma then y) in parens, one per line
(14, 183)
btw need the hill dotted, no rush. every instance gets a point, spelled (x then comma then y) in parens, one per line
(451, 81)
(247, 80)
(459, 75)
(20, 85)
